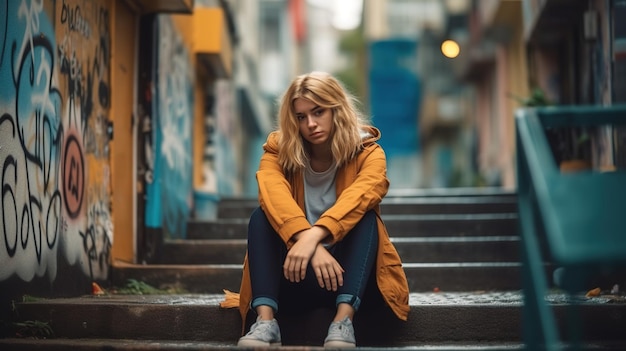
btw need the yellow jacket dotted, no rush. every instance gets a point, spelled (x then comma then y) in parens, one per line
(361, 185)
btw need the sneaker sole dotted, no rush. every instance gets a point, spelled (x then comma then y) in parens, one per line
(257, 343)
(337, 343)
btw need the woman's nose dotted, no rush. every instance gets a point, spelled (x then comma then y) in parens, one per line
(310, 121)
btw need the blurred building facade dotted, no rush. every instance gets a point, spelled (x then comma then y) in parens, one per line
(493, 61)
(535, 52)
(439, 114)
(513, 53)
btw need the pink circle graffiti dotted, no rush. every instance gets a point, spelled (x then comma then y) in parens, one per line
(73, 176)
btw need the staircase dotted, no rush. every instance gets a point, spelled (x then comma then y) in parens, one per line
(460, 253)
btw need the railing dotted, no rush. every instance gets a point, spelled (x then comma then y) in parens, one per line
(576, 221)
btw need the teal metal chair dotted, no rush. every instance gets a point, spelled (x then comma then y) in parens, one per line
(576, 221)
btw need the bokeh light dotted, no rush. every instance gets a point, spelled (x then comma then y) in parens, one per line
(450, 48)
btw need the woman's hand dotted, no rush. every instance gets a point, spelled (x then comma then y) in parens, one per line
(300, 253)
(328, 271)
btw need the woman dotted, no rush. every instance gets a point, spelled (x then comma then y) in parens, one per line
(318, 234)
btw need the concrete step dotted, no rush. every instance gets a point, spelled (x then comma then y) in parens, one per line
(243, 207)
(203, 251)
(400, 225)
(473, 192)
(448, 205)
(446, 276)
(184, 345)
(458, 249)
(464, 318)
(411, 249)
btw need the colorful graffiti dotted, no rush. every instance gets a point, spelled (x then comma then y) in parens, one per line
(54, 106)
(170, 194)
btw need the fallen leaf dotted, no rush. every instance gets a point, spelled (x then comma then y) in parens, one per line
(231, 299)
(96, 289)
(593, 292)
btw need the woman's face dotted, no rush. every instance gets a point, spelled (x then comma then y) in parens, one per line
(316, 122)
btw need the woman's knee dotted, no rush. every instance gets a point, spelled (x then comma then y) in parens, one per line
(367, 225)
(258, 221)
(258, 215)
(369, 216)
(261, 234)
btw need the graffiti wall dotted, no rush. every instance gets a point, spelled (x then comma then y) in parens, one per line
(54, 147)
(170, 194)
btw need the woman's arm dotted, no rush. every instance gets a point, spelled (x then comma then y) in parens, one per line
(276, 196)
(366, 192)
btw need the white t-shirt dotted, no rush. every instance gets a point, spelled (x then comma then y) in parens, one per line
(319, 191)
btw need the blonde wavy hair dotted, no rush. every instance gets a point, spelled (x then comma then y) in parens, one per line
(325, 91)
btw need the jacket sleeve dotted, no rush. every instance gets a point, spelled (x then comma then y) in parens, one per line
(366, 192)
(276, 198)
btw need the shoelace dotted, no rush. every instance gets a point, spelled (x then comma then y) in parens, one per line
(341, 329)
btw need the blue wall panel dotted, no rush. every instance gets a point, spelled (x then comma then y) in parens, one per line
(395, 94)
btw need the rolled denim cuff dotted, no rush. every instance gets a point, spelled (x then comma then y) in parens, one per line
(264, 301)
(352, 300)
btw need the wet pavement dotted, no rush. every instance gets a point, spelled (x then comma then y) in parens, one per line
(415, 299)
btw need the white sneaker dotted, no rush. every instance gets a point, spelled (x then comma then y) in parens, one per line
(262, 333)
(340, 334)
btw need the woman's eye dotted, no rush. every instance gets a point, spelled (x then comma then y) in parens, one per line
(299, 117)
(319, 112)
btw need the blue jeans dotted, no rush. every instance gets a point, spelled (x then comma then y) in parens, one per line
(356, 254)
